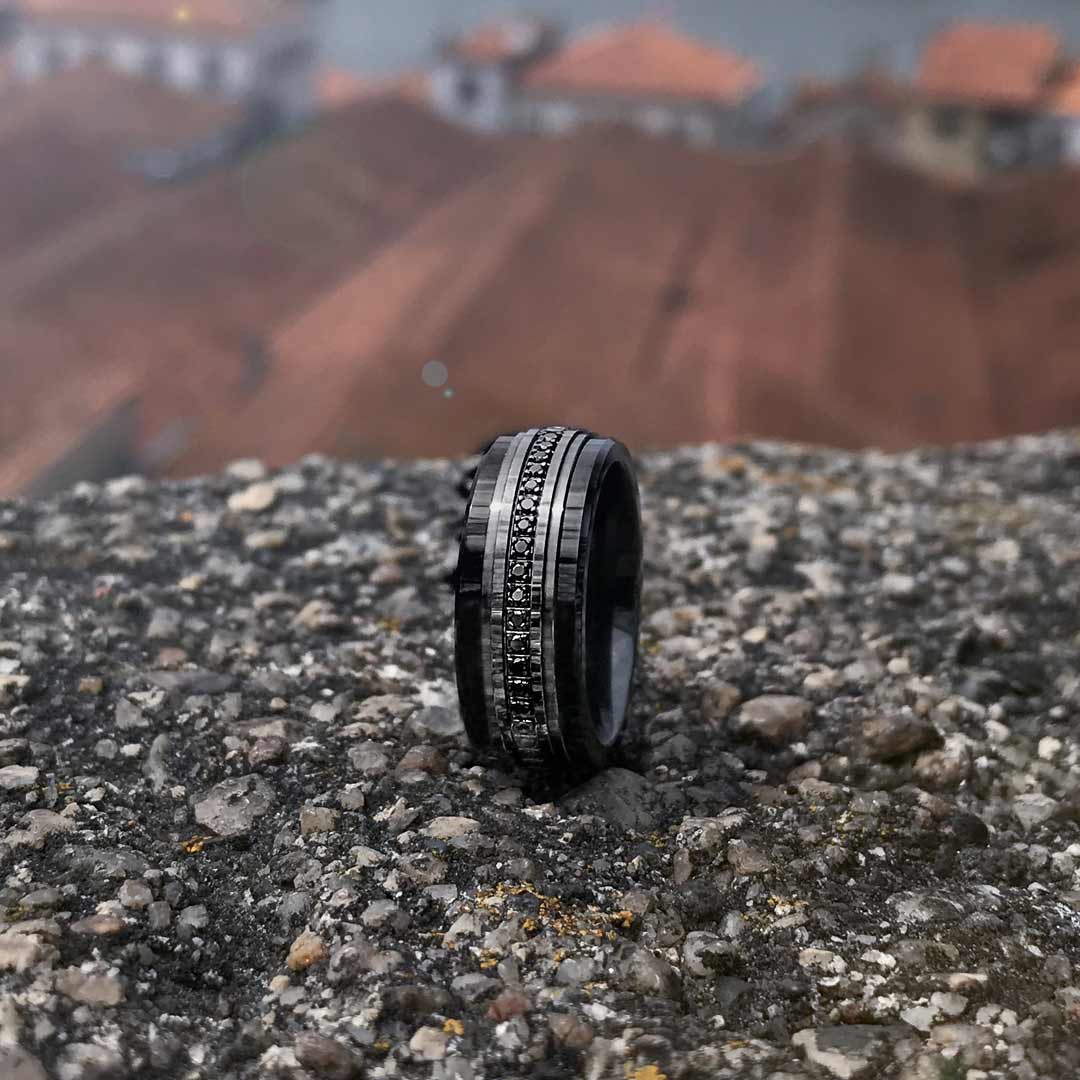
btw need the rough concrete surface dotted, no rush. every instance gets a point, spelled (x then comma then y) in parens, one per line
(242, 833)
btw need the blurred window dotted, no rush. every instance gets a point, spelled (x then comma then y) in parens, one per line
(948, 121)
(212, 75)
(131, 55)
(289, 58)
(1003, 120)
(54, 57)
(468, 90)
(1008, 139)
(699, 129)
(238, 70)
(656, 120)
(154, 66)
(76, 47)
(558, 117)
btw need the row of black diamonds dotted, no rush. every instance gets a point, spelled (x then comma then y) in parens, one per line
(524, 597)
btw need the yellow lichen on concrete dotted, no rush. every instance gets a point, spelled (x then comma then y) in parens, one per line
(551, 915)
(644, 1072)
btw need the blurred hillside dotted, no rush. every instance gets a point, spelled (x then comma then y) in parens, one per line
(183, 281)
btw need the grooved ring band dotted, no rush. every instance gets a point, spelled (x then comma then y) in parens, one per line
(548, 596)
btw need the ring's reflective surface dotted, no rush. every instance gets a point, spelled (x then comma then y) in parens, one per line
(548, 591)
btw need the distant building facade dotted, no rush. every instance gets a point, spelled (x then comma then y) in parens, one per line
(519, 75)
(986, 99)
(980, 100)
(238, 50)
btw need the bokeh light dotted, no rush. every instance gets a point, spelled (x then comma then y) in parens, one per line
(435, 373)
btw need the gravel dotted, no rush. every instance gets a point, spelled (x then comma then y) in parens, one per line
(242, 833)
(779, 719)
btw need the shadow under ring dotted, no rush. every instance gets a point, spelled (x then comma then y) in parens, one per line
(548, 598)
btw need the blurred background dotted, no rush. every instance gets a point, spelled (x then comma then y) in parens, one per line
(368, 228)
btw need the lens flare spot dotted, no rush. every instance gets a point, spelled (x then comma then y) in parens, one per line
(435, 373)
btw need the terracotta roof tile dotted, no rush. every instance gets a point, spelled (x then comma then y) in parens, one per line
(906, 341)
(819, 298)
(1022, 248)
(336, 86)
(645, 59)
(410, 86)
(825, 296)
(422, 281)
(1004, 64)
(187, 287)
(57, 414)
(66, 142)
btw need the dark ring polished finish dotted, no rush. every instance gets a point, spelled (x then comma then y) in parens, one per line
(548, 596)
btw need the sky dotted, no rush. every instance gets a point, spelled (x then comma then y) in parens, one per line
(788, 38)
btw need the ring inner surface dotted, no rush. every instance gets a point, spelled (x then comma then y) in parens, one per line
(611, 603)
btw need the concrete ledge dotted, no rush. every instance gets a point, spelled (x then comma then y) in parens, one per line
(242, 833)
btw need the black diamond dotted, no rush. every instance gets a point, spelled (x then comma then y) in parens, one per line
(518, 665)
(517, 620)
(517, 643)
(517, 690)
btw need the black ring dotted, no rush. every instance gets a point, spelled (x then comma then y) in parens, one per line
(548, 598)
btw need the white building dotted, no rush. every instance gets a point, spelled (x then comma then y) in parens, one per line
(475, 79)
(241, 50)
(518, 76)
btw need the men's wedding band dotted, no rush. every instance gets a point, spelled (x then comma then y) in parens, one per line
(548, 598)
